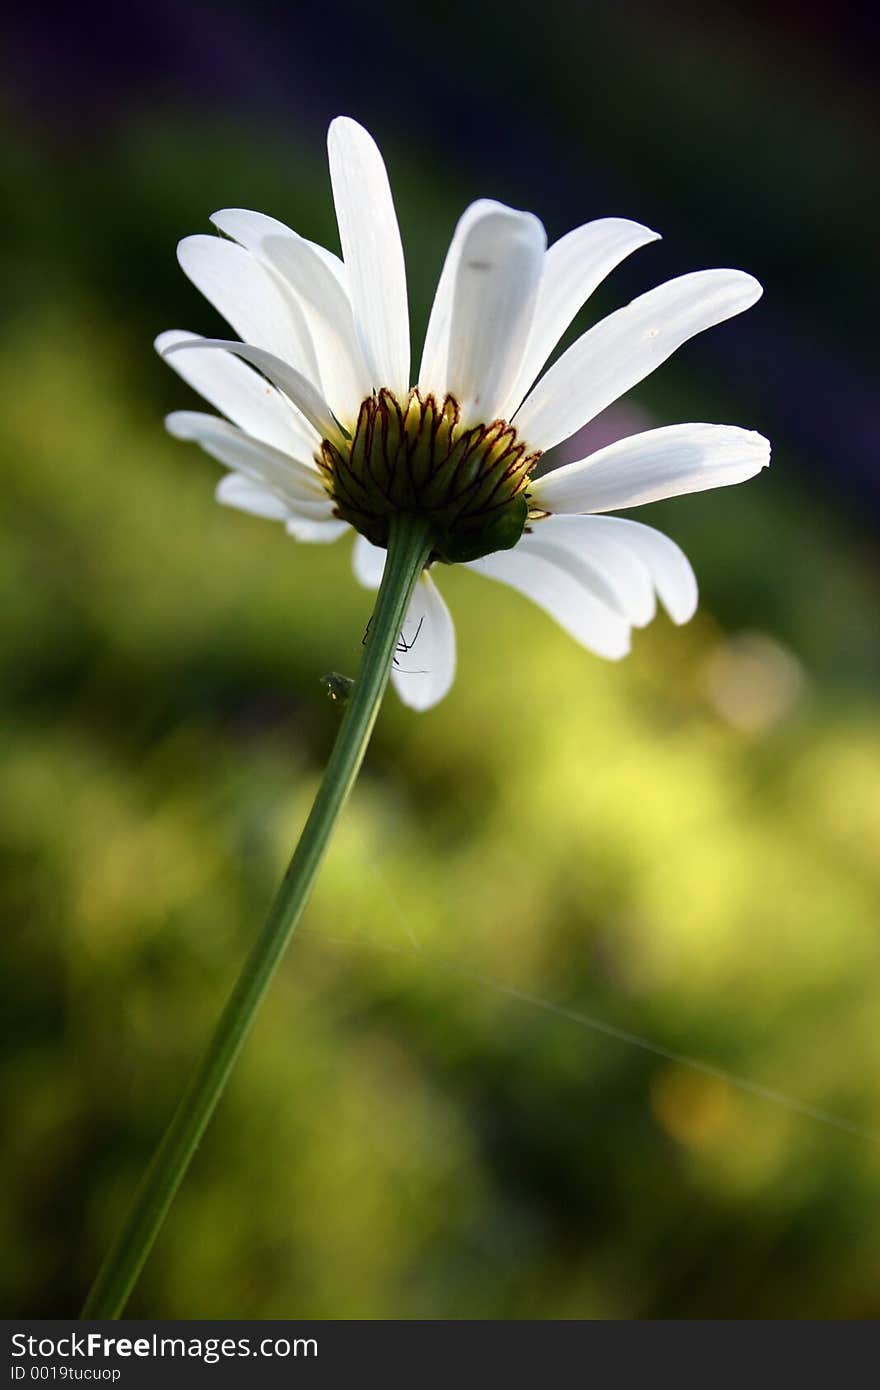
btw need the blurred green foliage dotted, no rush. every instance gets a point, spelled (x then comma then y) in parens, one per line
(425, 1123)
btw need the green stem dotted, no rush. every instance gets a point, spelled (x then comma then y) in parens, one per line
(407, 552)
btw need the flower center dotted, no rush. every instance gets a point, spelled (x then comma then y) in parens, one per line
(469, 482)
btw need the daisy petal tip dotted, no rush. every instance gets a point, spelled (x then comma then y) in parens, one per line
(228, 488)
(760, 448)
(166, 339)
(620, 651)
(312, 531)
(346, 128)
(178, 424)
(420, 702)
(681, 606)
(342, 122)
(233, 224)
(648, 234)
(751, 286)
(188, 248)
(177, 344)
(533, 227)
(224, 219)
(638, 233)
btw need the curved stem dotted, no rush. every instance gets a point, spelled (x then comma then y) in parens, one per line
(407, 552)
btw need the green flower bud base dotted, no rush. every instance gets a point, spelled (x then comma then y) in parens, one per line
(468, 483)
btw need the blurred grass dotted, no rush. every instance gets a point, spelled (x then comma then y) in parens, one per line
(683, 845)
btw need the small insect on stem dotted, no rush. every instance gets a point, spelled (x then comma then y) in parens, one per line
(402, 647)
(338, 687)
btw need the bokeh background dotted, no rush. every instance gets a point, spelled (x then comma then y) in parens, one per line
(432, 1118)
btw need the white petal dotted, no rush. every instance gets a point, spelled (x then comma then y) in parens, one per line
(368, 561)
(667, 564)
(249, 228)
(314, 532)
(265, 466)
(624, 348)
(573, 267)
(658, 463)
(561, 594)
(432, 372)
(601, 561)
(243, 395)
(496, 287)
(318, 286)
(372, 251)
(344, 373)
(424, 673)
(248, 297)
(240, 492)
(304, 395)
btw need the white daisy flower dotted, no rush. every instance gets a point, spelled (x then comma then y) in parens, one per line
(324, 431)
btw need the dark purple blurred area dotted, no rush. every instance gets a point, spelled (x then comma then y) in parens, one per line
(746, 134)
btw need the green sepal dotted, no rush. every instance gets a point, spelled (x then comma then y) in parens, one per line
(500, 532)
